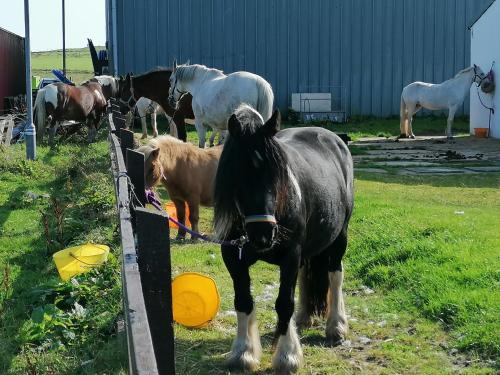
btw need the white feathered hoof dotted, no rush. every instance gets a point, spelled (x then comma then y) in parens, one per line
(288, 357)
(243, 359)
(336, 332)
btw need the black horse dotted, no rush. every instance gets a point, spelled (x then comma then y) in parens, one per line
(154, 85)
(290, 193)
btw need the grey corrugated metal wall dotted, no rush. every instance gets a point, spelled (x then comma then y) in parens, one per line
(371, 47)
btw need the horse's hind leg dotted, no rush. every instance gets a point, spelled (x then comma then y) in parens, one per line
(336, 324)
(180, 208)
(451, 117)
(212, 137)
(144, 126)
(200, 129)
(153, 124)
(194, 215)
(246, 349)
(52, 132)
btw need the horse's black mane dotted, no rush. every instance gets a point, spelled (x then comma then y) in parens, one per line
(248, 162)
(156, 70)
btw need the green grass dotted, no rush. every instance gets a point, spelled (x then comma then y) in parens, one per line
(434, 273)
(78, 63)
(46, 326)
(358, 127)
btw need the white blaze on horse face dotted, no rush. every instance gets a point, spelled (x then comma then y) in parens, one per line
(295, 184)
(51, 95)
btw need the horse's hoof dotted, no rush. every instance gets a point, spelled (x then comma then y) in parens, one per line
(334, 340)
(144, 136)
(242, 362)
(412, 136)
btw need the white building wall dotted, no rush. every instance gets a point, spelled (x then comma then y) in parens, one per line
(485, 48)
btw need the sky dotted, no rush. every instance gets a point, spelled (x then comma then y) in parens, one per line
(84, 19)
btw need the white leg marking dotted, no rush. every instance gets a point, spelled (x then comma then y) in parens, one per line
(246, 349)
(303, 318)
(288, 356)
(153, 123)
(336, 324)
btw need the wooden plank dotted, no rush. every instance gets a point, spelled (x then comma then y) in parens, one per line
(141, 354)
(153, 238)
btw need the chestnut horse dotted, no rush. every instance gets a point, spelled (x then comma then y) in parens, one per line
(154, 85)
(58, 102)
(186, 171)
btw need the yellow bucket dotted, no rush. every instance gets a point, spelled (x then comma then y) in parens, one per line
(195, 299)
(79, 259)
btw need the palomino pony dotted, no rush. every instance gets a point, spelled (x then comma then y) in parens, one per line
(216, 95)
(154, 85)
(58, 102)
(447, 95)
(290, 192)
(187, 172)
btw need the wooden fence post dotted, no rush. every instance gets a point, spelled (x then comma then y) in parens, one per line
(153, 236)
(119, 121)
(135, 171)
(127, 141)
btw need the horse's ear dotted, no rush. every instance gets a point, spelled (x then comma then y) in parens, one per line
(272, 126)
(174, 65)
(151, 154)
(234, 126)
(188, 62)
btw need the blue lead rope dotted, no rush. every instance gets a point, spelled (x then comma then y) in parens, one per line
(155, 202)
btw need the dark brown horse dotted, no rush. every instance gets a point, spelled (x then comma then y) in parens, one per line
(59, 102)
(154, 85)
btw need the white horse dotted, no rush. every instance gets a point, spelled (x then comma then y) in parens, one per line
(216, 95)
(145, 107)
(447, 95)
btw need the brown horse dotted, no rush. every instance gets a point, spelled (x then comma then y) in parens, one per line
(59, 102)
(154, 85)
(186, 171)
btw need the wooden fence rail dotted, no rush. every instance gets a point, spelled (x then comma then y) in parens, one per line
(146, 268)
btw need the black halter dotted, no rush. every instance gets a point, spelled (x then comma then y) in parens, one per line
(481, 79)
(171, 96)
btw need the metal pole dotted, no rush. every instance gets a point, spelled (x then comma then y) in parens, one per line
(64, 36)
(29, 130)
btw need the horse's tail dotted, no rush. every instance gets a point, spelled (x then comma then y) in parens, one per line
(40, 114)
(314, 283)
(403, 116)
(265, 99)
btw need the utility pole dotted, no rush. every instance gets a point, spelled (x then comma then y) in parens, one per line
(29, 130)
(64, 36)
